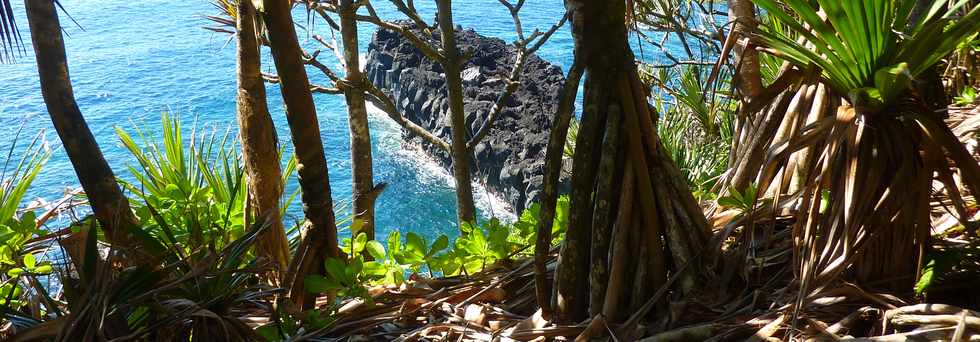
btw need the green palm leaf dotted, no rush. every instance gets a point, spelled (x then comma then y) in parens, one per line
(11, 42)
(865, 48)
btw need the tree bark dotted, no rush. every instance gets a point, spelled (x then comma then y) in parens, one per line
(748, 76)
(110, 206)
(360, 134)
(259, 143)
(549, 187)
(320, 241)
(451, 61)
(655, 209)
(571, 293)
(602, 219)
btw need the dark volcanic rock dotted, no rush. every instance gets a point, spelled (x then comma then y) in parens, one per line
(511, 158)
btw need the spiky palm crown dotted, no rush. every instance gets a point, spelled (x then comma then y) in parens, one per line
(867, 50)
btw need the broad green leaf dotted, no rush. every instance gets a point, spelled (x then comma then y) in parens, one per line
(336, 269)
(374, 268)
(359, 243)
(376, 250)
(354, 269)
(43, 269)
(394, 242)
(415, 243)
(29, 260)
(320, 284)
(729, 202)
(15, 272)
(926, 279)
(440, 244)
(356, 225)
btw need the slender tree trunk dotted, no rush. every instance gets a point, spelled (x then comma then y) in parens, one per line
(466, 208)
(571, 293)
(320, 240)
(105, 197)
(549, 188)
(259, 142)
(360, 134)
(605, 198)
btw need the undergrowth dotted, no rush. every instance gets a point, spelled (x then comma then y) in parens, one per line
(189, 195)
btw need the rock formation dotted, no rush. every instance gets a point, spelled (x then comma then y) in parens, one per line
(510, 160)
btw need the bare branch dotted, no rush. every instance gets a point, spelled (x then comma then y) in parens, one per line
(311, 59)
(676, 63)
(512, 84)
(412, 14)
(316, 88)
(371, 92)
(427, 47)
(383, 102)
(547, 35)
(514, 79)
(333, 47)
(514, 10)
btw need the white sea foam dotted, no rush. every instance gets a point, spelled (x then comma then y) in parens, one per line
(430, 171)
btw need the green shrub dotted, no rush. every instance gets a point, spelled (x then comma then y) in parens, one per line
(478, 247)
(16, 230)
(190, 193)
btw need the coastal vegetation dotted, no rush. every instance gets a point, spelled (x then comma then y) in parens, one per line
(780, 170)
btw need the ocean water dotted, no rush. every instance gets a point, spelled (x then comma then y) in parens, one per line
(130, 61)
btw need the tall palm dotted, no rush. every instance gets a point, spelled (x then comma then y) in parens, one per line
(105, 196)
(878, 154)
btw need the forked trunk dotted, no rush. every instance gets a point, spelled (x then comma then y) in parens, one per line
(259, 143)
(320, 240)
(104, 194)
(365, 192)
(466, 208)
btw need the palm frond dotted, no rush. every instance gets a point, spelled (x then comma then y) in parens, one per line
(858, 44)
(11, 42)
(226, 17)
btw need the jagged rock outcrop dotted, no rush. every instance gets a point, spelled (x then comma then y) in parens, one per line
(510, 160)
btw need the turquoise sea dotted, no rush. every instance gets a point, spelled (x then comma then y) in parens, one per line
(131, 60)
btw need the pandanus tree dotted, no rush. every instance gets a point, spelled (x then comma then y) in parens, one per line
(634, 226)
(860, 174)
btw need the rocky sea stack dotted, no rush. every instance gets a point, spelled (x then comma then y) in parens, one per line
(510, 160)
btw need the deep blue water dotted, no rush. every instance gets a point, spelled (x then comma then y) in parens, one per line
(132, 60)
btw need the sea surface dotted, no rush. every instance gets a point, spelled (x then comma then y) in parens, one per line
(130, 61)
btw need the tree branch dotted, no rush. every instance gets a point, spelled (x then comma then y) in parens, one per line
(316, 88)
(383, 102)
(536, 40)
(427, 47)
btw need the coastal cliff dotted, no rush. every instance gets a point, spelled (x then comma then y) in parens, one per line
(510, 160)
